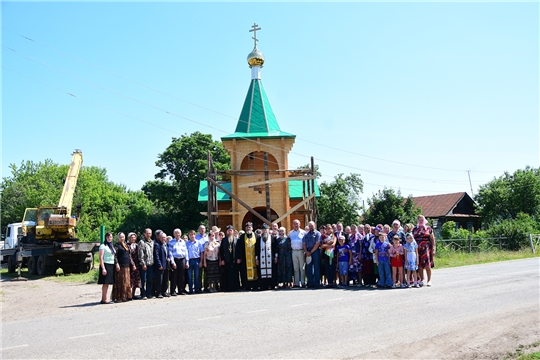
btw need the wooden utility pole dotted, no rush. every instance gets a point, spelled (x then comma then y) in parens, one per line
(210, 188)
(314, 201)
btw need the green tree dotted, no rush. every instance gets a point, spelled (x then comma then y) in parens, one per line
(388, 205)
(505, 197)
(183, 165)
(30, 185)
(339, 199)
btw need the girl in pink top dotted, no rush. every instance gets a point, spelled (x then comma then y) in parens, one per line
(396, 252)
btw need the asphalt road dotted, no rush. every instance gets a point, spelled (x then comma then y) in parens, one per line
(466, 312)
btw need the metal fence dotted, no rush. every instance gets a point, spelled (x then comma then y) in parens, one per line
(535, 241)
(472, 244)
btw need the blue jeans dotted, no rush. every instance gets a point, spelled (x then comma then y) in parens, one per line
(147, 278)
(343, 268)
(385, 273)
(193, 274)
(313, 269)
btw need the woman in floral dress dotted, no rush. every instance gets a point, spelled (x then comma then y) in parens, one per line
(423, 234)
(355, 242)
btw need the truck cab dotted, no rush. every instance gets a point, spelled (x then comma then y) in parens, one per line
(12, 235)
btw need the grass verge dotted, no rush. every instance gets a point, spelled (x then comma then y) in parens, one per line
(446, 259)
(523, 352)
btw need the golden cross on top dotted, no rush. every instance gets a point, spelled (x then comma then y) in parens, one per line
(254, 30)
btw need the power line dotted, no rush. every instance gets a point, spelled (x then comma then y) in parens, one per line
(155, 125)
(228, 116)
(221, 130)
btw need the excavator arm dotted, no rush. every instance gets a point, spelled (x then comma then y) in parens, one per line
(66, 200)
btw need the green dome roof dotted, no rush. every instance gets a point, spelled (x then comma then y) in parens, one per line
(257, 118)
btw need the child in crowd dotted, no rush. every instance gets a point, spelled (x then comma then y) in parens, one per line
(381, 259)
(396, 261)
(344, 260)
(411, 261)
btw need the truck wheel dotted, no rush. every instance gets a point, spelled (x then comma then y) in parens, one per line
(41, 268)
(32, 265)
(12, 264)
(83, 268)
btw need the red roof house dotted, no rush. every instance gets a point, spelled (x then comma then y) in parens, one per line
(458, 207)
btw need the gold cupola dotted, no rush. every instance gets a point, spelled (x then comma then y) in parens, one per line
(255, 58)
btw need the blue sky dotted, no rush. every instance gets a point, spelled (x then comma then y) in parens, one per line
(409, 95)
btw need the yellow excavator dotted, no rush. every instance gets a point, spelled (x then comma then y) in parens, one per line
(47, 241)
(48, 223)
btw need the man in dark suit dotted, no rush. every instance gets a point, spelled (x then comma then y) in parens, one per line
(160, 264)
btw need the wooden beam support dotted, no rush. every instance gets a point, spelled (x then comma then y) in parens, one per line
(239, 172)
(221, 212)
(294, 208)
(240, 201)
(271, 181)
(301, 212)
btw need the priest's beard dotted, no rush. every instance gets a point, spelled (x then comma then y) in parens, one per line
(248, 233)
(264, 236)
(231, 238)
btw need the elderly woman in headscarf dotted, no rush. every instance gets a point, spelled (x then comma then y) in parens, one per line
(423, 234)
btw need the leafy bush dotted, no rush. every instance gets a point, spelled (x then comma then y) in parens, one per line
(515, 230)
(449, 231)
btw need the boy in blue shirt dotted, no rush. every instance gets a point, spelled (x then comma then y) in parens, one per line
(382, 261)
(344, 261)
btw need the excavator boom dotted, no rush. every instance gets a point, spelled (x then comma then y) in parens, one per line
(66, 200)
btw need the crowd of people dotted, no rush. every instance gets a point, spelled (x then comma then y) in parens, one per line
(382, 256)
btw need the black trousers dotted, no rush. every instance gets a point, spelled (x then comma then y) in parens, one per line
(162, 281)
(178, 281)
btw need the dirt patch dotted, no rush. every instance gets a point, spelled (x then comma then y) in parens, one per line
(37, 298)
(496, 337)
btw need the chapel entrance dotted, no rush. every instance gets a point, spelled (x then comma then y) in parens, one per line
(257, 223)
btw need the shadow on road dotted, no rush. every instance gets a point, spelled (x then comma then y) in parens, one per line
(81, 305)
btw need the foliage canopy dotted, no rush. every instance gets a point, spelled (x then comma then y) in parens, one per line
(339, 200)
(505, 197)
(387, 205)
(183, 165)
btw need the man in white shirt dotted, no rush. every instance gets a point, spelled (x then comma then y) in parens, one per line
(297, 235)
(202, 239)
